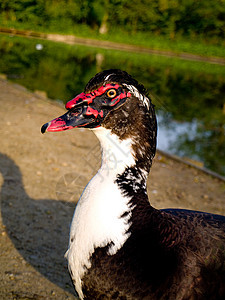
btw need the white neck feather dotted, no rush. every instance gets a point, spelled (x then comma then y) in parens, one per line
(116, 154)
(97, 219)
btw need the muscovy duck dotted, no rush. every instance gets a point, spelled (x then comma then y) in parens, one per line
(121, 247)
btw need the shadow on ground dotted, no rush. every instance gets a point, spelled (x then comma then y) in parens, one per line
(39, 228)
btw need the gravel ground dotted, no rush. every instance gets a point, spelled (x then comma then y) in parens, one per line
(41, 179)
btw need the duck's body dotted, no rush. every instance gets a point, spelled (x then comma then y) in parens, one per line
(120, 246)
(160, 263)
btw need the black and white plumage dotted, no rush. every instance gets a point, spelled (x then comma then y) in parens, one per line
(120, 246)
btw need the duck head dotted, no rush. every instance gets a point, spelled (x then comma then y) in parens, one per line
(105, 92)
(113, 102)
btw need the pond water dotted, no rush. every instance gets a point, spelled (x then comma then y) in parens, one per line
(189, 96)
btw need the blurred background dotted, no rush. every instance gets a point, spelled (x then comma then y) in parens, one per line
(185, 76)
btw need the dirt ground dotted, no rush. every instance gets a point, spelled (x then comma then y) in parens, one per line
(41, 179)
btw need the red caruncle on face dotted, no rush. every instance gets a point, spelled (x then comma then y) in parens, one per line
(89, 98)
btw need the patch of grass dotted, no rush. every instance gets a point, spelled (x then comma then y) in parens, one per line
(144, 39)
(177, 45)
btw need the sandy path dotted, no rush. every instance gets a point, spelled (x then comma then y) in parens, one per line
(41, 178)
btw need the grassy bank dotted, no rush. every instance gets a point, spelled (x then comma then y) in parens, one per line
(157, 42)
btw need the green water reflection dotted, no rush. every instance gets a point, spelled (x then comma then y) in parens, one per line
(189, 94)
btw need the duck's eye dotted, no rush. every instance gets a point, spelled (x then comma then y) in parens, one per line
(111, 93)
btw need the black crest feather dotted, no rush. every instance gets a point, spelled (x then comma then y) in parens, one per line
(116, 76)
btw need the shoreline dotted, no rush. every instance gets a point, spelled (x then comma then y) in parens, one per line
(71, 39)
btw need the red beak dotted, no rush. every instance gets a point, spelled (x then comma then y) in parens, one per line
(58, 124)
